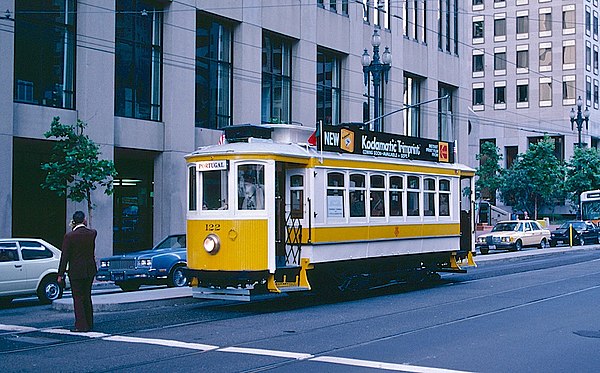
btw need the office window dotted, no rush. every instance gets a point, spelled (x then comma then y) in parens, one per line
(510, 155)
(499, 95)
(588, 90)
(522, 92)
(595, 25)
(412, 96)
(545, 89)
(559, 141)
(588, 56)
(328, 87)
(545, 57)
(523, 25)
(478, 96)
(446, 112)
(478, 63)
(138, 60)
(320, 3)
(276, 80)
(213, 73)
(545, 23)
(500, 61)
(345, 7)
(478, 29)
(500, 28)
(366, 11)
(568, 18)
(588, 21)
(44, 55)
(477, 2)
(569, 54)
(333, 5)
(595, 59)
(595, 94)
(523, 59)
(569, 88)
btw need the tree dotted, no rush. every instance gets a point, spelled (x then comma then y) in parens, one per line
(489, 172)
(535, 179)
(74, 170)
(583, 173)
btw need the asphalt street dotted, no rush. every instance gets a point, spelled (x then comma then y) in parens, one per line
(530, 311)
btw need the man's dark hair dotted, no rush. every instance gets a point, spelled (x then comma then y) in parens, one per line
(78, 217)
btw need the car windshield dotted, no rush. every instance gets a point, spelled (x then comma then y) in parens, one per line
(175, 242)
(505, 227)
(576, 225)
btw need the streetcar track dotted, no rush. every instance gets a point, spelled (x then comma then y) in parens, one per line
(216, 307)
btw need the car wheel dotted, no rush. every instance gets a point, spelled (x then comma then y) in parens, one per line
(177, 278)
(552, 243)
(484, 251)
(128, 286)
(581, 240)
(49, 290)
(518, 245)
(4, 301)
(543, 244)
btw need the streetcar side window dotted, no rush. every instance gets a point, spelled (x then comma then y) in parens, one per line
(429, 197)
(396, 186)
(377, 200)
(214, 190)
(192, 190)
(357, 195)
(297, 196)
(335, 195)
(444, 204)
(413, 191)
(251, 187)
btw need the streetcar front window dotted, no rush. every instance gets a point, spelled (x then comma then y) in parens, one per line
(590, 210)
(444, 198)
(214, 190)
(251, 187)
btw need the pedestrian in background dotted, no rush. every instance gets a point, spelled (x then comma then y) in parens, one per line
(78, 253)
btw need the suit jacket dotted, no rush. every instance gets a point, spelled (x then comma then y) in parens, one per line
(78, 252)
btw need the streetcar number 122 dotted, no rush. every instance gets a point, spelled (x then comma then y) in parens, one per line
(213, 227)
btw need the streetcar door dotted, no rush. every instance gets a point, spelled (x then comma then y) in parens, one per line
(280, 233)
(467, 232)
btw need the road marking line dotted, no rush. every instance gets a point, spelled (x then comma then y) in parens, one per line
(17, 328)
(82, 334)
(258, 351)
(382, 365)
(161, 342)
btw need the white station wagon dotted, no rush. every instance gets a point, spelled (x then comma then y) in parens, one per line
(28, 266)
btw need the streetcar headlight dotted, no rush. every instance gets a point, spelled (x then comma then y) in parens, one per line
(212, 244)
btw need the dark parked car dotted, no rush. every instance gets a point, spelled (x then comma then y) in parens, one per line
(162, 265)
(583, 232)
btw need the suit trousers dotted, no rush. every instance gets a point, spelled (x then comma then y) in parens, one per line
(82, 303)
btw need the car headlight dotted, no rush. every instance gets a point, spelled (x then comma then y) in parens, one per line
(145, 262)
(104, 264)
(505, 239)
(212, 244)
(481, 239)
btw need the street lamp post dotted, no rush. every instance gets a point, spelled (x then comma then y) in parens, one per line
(378, 68)
(578, 118)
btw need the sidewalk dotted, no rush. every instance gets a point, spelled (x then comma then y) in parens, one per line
(107, 299)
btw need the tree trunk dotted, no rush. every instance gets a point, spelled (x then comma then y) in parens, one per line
(89, 208)
(535, 209)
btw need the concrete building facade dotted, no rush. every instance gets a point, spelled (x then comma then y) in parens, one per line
(530, 61)
(154, 80)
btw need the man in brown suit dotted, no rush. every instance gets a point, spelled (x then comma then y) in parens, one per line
(78, 253)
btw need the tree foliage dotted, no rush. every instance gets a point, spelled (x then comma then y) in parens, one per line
(535, 179)
(583, 173)
(489, 172)
(74, 169)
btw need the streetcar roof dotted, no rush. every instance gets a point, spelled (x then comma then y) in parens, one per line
(303, 153)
